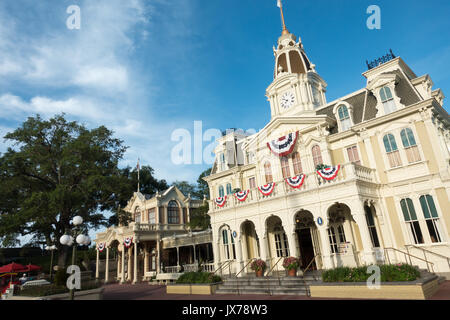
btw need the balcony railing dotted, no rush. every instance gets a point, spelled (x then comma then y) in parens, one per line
(157, 227)
(348, 172)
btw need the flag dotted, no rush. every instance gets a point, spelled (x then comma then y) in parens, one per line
(279, 3)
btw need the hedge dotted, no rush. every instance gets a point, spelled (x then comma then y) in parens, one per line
(389, 273)
(198, 277)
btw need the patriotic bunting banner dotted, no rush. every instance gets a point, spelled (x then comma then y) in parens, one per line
(296, 182)
(128, 241)
(329, 173)
(284, 145)
(242, 195)
(267, 189)
(220, 201)
(101, 246)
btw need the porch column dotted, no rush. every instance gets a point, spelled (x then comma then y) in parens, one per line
(135, 271)
(158, 256)
(195, 255)
(178, 256)
(291, 241)
(97, 273)
(239, 257)
(130, 249)
(118, 266)
(107, 266)
(145, 260)
(263, 248)
(325, 248)
(122, 267)
(360, 218)
(216, 254)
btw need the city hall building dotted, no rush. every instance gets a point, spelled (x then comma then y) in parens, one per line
(359, 180)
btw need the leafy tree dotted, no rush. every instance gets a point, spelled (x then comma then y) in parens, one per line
(202, 185)
(186, 188)
(199, 218)
(56, 170)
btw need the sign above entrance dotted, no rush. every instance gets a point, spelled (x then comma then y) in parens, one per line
(319, 221)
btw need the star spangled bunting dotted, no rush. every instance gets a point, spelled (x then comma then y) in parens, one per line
(329, 173)
(296, 182)
(128, 241)
(242, 195)
(101, 246)
(284, 145)
(267, 189)
(220, 202)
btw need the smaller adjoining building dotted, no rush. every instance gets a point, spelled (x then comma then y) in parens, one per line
(158, 242)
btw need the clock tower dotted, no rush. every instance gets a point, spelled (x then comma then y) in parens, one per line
(297, 88)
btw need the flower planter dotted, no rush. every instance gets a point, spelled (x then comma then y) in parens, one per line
(259, 273)
(292, 272)
(201, 288)
(420, 289)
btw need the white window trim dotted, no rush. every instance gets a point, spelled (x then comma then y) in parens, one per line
(385, 81)
(350, 113)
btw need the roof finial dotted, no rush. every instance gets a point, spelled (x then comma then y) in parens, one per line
(280, 5)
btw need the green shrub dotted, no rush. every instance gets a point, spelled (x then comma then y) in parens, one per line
(389, 273)
(198, 277)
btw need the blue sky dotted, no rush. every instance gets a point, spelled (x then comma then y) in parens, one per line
(146, 68)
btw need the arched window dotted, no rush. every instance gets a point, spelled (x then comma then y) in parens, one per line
(372, 227)
(152, 216)
(268, 172)
(392, 151)
(409, 143)
(387, 100)
(137, 215)
(297, 162)
(344, 118)
(431, 217)
(317, 155)
(228, 247)
(221, 192)
(285, 167)
(409, 214)
(229, 190)
(173, 212)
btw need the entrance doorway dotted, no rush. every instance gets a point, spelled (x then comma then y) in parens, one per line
(307, 239)
(306, 247)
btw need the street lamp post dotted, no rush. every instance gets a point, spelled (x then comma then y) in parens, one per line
(52, 249)
(80, 238)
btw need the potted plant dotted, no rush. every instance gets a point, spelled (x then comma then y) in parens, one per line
(259, 266)
(291, 264)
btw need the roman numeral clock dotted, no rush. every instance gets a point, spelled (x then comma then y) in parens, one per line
(287, 100)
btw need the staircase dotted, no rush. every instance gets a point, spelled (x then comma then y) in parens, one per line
(273, 285)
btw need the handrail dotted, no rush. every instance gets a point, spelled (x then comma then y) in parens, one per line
(226, 263)
(237, 281)
(429, 251)
(278, 275)
(304, 271)
(410, 255)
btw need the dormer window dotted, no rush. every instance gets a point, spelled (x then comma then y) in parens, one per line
(344, 118)
(343, 112)
(387, 100)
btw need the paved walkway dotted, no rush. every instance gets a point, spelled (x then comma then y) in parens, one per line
(144, 291)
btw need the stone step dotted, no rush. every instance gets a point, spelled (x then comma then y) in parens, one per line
(266, 284)
(261, 285)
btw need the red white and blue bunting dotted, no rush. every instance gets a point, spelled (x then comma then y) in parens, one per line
(242, 195)
(267, 189)
(284, 145)
(220, 202)
(296, 182)
(101, 246)
(329, 173)
(128, 241)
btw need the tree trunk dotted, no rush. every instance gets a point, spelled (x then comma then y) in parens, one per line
(62, 256)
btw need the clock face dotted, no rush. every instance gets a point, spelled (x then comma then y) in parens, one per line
(287, 100)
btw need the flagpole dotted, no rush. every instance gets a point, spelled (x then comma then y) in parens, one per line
(280, 5)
